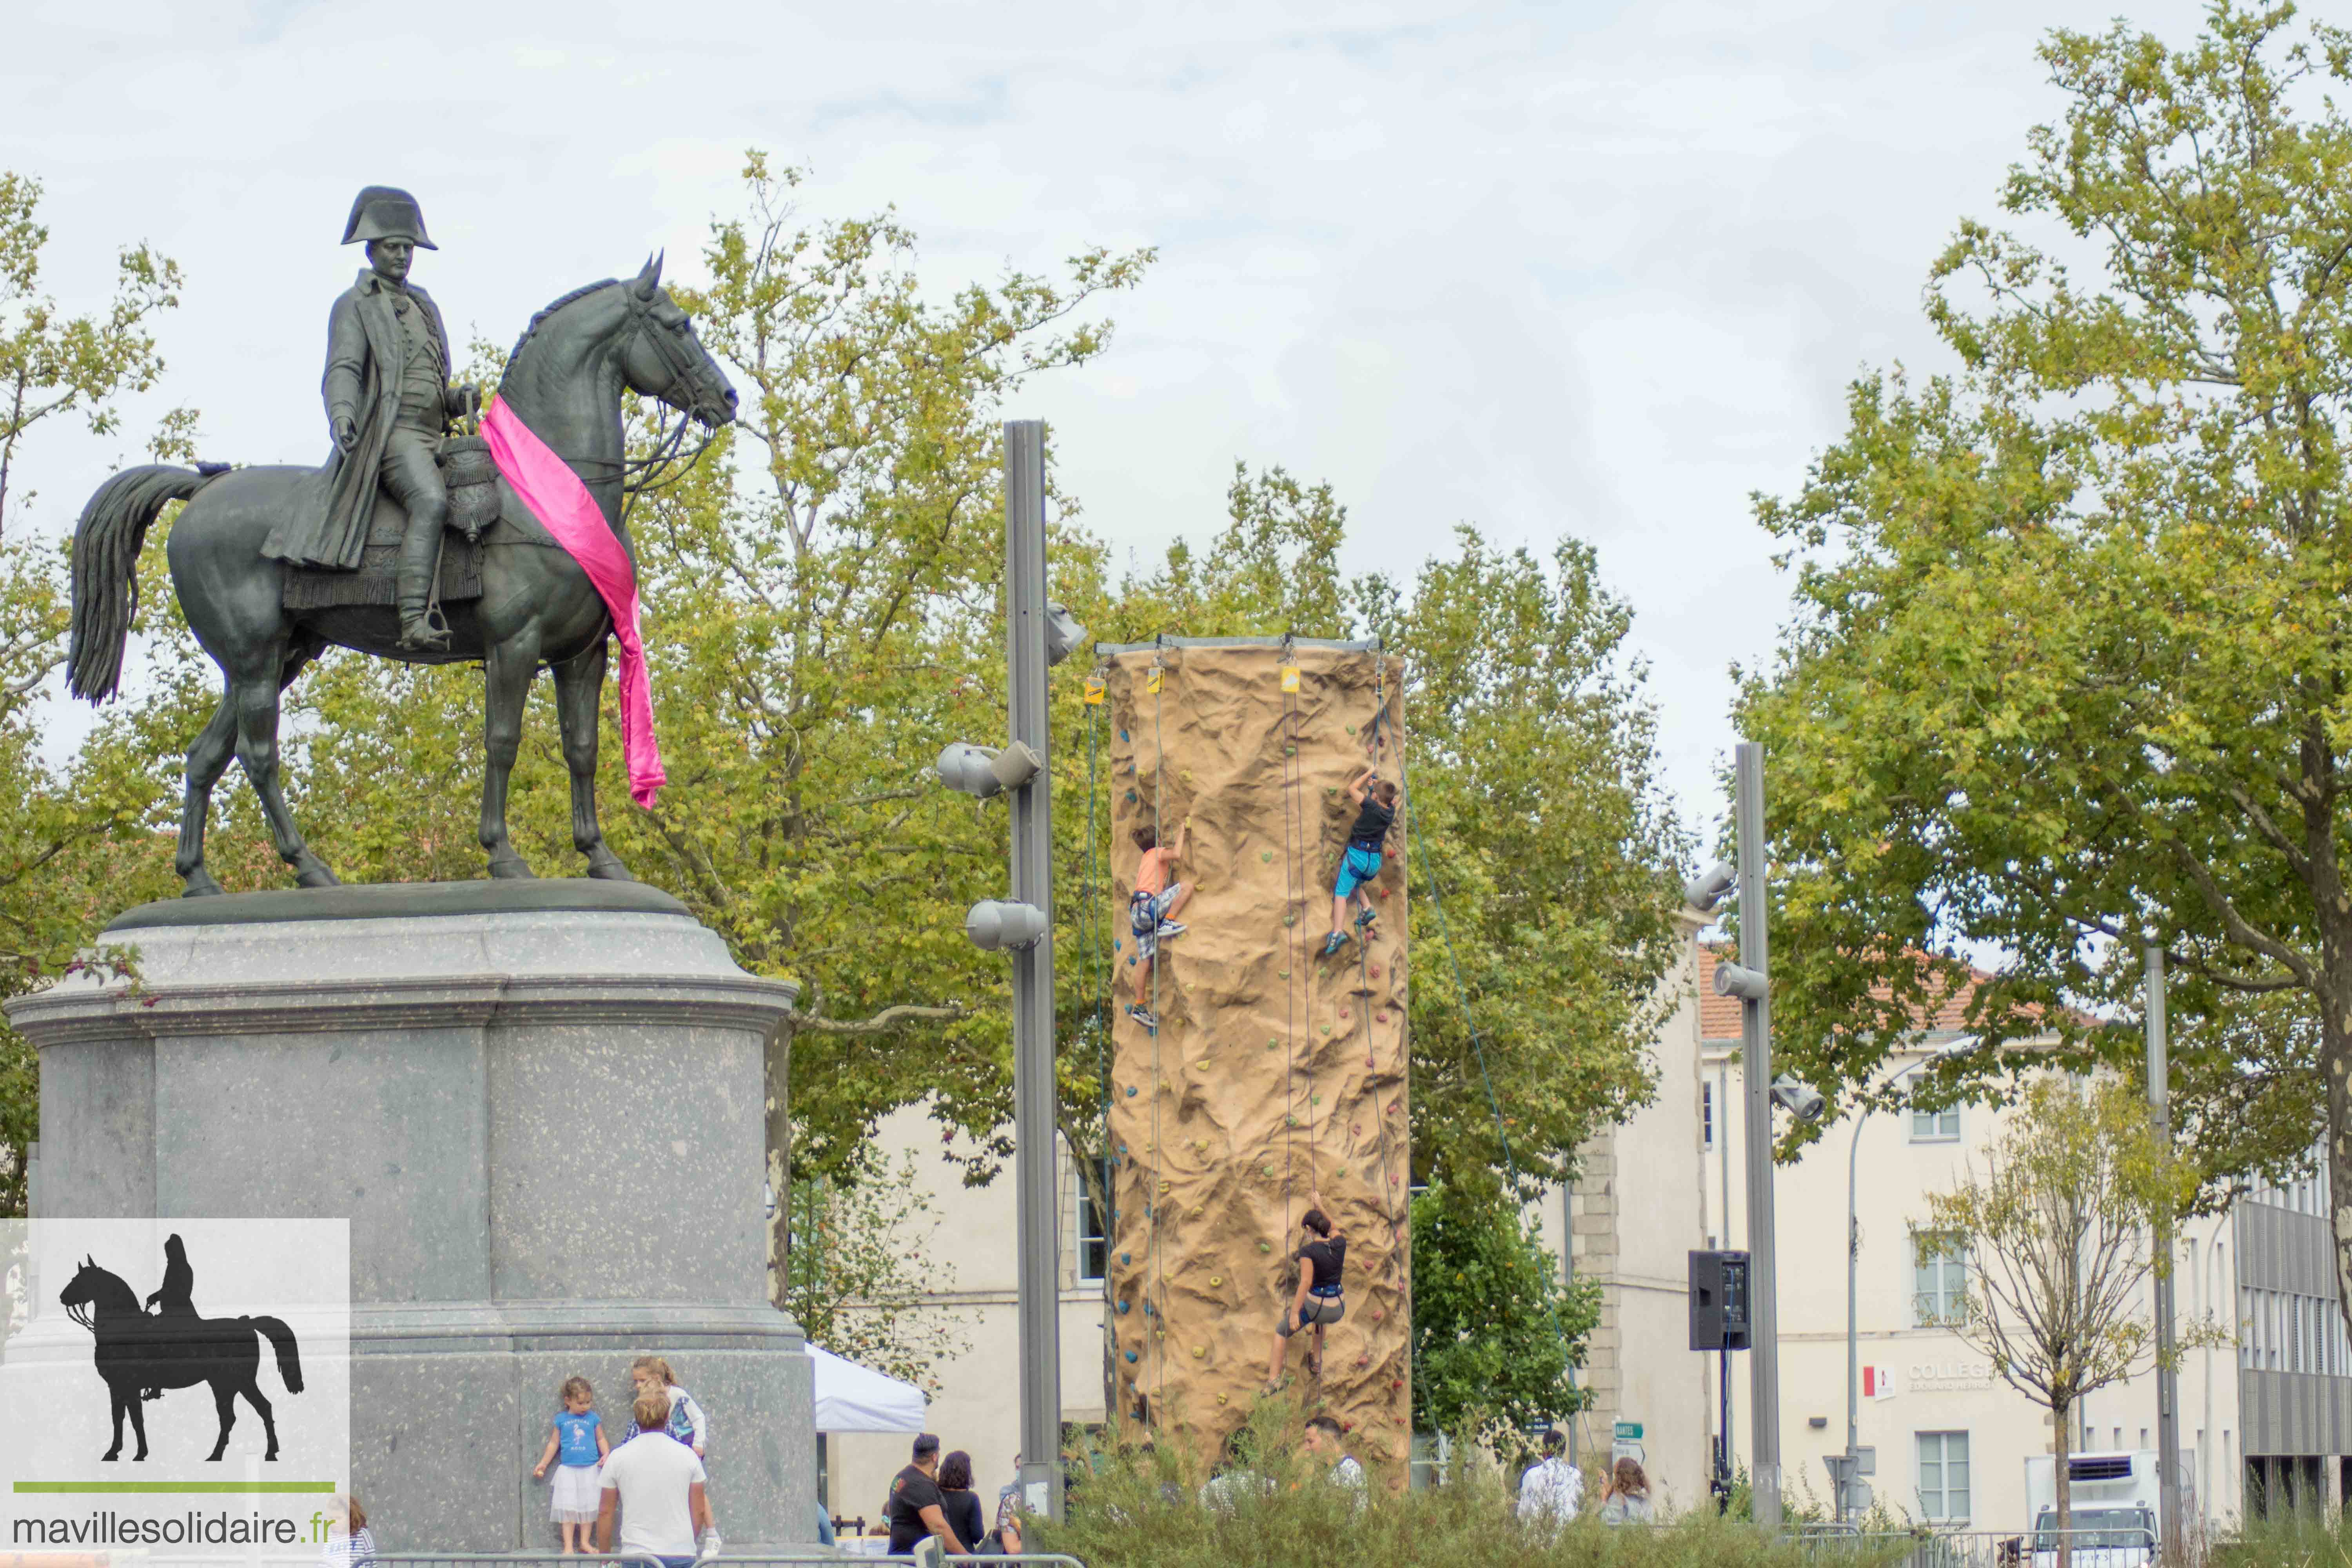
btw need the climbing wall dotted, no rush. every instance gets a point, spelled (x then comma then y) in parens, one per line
(1274, 1072)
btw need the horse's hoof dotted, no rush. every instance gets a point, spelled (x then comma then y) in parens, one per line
(603, 863)
(310, 871)
(199, 884)
(512, 868)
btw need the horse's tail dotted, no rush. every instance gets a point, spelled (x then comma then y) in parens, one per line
(106, 570)
(289, 1359)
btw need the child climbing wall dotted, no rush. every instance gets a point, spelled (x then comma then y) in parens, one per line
(1273, 1071)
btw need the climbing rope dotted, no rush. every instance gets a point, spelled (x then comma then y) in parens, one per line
(1296, 986)
(1093, 939)
(1157, 1329)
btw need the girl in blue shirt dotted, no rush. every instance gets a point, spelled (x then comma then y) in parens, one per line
(577, 1441)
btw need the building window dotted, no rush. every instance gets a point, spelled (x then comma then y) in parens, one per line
(1094, 1247)
(1944, 1474)
(1936, 1126)
(1706, 1115)
(1939, 1282)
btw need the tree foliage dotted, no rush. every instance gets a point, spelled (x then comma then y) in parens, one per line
(2056, 1227)
(861, 1267)
(52, 363)
(2071, 658)
(1495, 1329)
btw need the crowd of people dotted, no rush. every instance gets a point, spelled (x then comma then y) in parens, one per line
(1551, 1491)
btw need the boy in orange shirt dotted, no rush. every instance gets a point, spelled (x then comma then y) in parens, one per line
(1151, 910)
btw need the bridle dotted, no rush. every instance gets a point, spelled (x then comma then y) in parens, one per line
(666, 463)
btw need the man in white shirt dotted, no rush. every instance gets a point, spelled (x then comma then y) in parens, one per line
(1325, 1441)
(658, 1486)
(1552, 1489)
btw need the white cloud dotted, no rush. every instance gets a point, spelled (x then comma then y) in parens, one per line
(1595, 267)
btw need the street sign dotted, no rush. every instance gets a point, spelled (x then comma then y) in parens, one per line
(1628, 1432)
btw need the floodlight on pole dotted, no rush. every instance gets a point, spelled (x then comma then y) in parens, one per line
(1711, 887)
(995, 925)
(1748, 985)
(1798, 1098)
(1063, 633)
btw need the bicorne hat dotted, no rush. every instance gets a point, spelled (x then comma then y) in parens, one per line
(386, 212)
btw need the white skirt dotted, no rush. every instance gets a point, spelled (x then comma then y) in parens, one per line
(575, 1500)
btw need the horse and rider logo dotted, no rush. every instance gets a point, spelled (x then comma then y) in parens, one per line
(144, 1351)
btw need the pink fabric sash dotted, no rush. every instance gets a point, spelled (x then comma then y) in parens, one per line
(557, 498)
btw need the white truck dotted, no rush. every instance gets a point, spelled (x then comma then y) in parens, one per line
(2117, 1517)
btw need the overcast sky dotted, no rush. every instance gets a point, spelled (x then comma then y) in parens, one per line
(1590, 269)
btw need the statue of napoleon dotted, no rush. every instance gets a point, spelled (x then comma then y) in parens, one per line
(274, 565)
(389, 402)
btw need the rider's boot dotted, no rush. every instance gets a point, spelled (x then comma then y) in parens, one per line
(411, 580)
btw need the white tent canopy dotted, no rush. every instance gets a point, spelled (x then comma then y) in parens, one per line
(852, 1398)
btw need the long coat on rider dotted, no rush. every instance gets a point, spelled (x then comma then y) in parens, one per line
(362, 375)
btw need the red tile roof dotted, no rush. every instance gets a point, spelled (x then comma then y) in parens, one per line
(1718, 1016)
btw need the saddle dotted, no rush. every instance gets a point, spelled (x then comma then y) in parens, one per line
(471, 478)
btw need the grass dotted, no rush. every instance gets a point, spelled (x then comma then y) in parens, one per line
(1133, 1508)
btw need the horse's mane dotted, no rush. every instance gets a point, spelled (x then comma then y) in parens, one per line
(533, 324)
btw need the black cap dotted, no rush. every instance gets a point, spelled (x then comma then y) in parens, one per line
(926, 1443)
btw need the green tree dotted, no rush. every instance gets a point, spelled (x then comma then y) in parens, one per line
(859, 1268)
(52, 363)
(2071, 658)
(71, 832)
(1495, 1329)
(2056, 1227)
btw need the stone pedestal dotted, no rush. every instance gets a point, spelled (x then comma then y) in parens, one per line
(539, 1105)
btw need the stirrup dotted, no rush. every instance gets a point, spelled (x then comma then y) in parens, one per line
(422, 634)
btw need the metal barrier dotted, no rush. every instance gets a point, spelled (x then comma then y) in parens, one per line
(791, 1559)
(2110, 1548)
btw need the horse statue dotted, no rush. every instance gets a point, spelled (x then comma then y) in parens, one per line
(564, 382)
(138, 1351)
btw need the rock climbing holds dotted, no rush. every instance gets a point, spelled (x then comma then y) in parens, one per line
(1290, 1122)
(1377, 1314)
(1264, 1246)
(1123, 1306)
(1290, 920)
(1351, 729)
(1221, 1399)
(1266, 855)
(1203, 1064)
(1130, 797)
(1283, 973)
(1131, 1092)
(1373, 970)
(1131, 1355)
(1268, 1169)
(1123, 1259)
(1122, 734)
(1289, 751)
(1380, 1017)
(1215, 1281)
(1200, 1350)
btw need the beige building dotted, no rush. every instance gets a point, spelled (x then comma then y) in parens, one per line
(2267, 1419)
(978, 1406)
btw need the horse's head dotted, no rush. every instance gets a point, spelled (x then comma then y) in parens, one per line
(90, 1289)
(661, 358)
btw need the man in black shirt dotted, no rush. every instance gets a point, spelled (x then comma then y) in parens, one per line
(1360, 863)
(916, 1507)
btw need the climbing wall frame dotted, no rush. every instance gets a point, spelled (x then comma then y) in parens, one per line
(1273, 1071)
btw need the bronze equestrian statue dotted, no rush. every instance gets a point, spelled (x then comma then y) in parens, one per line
(232, 548)
(389, 403)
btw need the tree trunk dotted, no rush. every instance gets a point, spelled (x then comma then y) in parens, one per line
(2335, 1067)
(2062, 1417)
